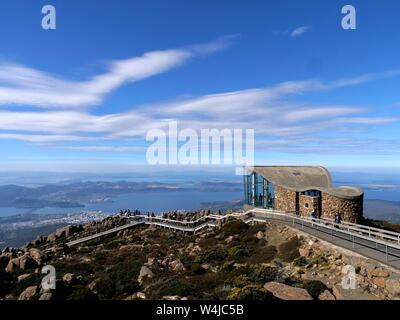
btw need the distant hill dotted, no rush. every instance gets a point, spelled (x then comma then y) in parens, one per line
(73, 195)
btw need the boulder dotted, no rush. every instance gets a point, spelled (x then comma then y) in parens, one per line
(136, 296)
(326, 295)
(23, 277)
(380, 282)
(151, 261)
(28, 294)
(304, 252)
(27, 262)
(64, 232)
(37, 255)
(39, 240)
(69, 278)
(229, 239)
(285, 292)
(379, 272)
(171, 298)
(46, 296)
(12, 265)
(176, 265)
(260, 235)
(144, 273)
(52, 237)
(393, 287)
(141, 295)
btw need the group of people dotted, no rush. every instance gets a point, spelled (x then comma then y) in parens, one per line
(171, 215)
(338, 217)
(134, 213)
(186, 216)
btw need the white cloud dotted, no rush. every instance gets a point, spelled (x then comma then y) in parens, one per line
(299, 31)
(279, 122)
(20, 85)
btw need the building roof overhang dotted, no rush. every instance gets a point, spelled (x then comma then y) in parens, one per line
(304, 178)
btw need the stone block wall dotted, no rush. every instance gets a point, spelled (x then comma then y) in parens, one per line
(313, 205)
(285, 199)
(351, 210)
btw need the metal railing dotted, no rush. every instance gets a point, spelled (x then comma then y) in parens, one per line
(357, 234)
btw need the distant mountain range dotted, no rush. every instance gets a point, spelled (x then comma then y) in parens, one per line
(74, 195)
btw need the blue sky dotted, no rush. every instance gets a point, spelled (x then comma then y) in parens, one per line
(83, 96)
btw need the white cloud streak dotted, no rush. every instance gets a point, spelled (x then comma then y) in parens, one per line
(299, 31)
(20, 85)
(279, 122)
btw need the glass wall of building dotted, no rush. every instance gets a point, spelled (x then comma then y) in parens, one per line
(258, 192)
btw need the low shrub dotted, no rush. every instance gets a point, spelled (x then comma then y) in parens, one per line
(214, 256)
(208, 242)
(171, 286)
(256, 274)
(238, 252)
(196, 268)
(288, 251)
(250, 292)
(82, 293)
(241, 281)
(119, 280)
(233, 227)
(320, 259)
(314, 287)
(263, 255)
(300, 262)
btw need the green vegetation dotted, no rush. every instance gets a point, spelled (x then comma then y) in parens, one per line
(233, 227)
(288, 251)
(250, 292)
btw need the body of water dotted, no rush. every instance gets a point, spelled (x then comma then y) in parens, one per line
(167, 201)
(143, 201)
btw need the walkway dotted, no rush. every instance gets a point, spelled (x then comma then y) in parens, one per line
(377, 244)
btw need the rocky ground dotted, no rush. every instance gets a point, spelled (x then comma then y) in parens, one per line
(237, 261)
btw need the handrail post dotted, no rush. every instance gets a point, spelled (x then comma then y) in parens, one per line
(386, 253)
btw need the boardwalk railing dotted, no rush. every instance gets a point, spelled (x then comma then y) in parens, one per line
(379, 239)
(357, 234)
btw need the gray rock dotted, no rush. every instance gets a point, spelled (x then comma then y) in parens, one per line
(28, 294)
(145, 272)
(285, 292)
(69, 278)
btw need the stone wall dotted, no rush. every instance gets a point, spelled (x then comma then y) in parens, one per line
(313, 205)
(326, 207)
(351, 210)
(285, 199)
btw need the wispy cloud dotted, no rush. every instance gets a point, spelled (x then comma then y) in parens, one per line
(280, 123)
(299, 31)
(21, 85)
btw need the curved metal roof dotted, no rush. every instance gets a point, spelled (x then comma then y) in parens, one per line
(303, 178)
